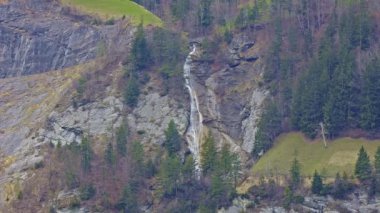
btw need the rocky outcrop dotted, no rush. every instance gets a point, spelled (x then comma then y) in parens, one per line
(152, 115)
(39, 35)
(230, 97)
(98, 118)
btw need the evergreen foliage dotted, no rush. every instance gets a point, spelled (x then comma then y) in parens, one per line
(140, 52)
(132, 91)
(370, 110)
(87, 192)
(87, 155)
(128, 202)
(377, 163)
(109, 155)
(173, 139)
(169, 175)
(205, 16)
(121, 140)
(208, 155)
(317, 183)
(295, 174)
(363, 166)
(269, 127)
(180, 8)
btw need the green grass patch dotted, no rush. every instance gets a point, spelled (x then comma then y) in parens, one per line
(107, 9)
(339, 156)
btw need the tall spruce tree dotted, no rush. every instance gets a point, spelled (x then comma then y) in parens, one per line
(121, 140)
(295, 174)
(377, 164)
(109, 155)
(140, 53)
(173, 139)
(317, 183)
(208, 155)
(363, 166)
(370, 110)
(87, 155)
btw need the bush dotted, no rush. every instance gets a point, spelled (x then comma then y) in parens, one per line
(110, 21)
(87, 192)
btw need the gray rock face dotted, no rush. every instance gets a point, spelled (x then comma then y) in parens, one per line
(230, 98)
(40, 36)
(153, 114)
(98, 118)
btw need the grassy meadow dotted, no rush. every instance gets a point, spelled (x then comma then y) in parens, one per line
(339, 156)
(107, 9)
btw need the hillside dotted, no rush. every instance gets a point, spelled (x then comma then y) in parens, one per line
(189, 106)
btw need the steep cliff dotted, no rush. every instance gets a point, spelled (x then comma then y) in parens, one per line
(229, 92)
(38, 36)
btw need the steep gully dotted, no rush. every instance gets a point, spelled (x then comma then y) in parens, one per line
(195, 129)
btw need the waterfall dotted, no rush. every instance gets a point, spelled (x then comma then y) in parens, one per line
(194, 131)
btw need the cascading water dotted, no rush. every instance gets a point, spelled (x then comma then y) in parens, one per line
(194, 131)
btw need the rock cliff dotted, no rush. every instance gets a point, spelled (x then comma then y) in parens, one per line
(230, 96)
(38, 36)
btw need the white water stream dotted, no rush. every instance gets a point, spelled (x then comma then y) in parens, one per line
(194, 131)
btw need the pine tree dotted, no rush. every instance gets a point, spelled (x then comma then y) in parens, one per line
(377, 169)
(370, 110)
(204, 13)
(295, 174)
(173, 139)
(132, 90)
(180, 8)
(128, 202)
(235, 168)
(377, 162)
(317, 184)
(208, 155)
(121, 140)
(87, 155)
(363, 166)
(188, 169)
(169, 175)
(109, 155)
(137, 159)
(269, 127)
(140, 53)
(338, 190)
(225, 162)
(217, 189)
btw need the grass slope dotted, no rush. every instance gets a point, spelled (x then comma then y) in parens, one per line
(339, 156)
(115, 9)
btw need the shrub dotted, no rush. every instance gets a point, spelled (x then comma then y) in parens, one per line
(87, 192)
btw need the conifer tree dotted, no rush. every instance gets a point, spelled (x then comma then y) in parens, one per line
(121, 140)
(208, 155)
(370, 110)
(377, 169)
(295, 174)
(317, 184)
(128, 202)
(377, 162)
(109, 155)
(132, 90)
(188, 169)
(173, 139)
(169, 175)
(140, 53)
(87, 155)
(204, 13)
(363, 166)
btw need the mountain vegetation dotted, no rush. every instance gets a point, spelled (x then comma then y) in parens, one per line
(321, 69)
